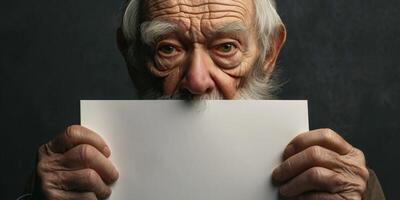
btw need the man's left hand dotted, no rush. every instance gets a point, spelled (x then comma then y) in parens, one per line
(321, 165)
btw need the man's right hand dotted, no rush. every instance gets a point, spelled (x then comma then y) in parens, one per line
(75, 165)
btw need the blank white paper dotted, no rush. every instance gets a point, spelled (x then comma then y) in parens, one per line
(204, 150)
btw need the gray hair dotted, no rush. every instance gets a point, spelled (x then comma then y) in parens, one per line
(268, 25)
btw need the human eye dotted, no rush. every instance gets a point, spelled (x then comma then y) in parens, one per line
(168, 49)
(226, 49)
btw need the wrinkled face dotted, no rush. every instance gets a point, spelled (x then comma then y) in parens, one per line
(201, 46)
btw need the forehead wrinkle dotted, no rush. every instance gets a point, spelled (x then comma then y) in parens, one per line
(203, 17)
(200, 17)
(165, 12)
(180, 5)
(160, 3)
(151, 31)
(214, 9)
(231, 27)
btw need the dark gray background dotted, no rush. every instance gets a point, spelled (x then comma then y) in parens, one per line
(340, 55)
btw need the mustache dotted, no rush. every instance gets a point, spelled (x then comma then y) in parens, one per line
(187, 95)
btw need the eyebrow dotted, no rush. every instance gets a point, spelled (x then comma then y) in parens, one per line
(151, 31)
(234, 27)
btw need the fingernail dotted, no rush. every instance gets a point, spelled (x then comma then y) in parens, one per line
(107, 151)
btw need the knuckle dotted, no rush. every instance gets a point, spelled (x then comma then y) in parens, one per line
(41, 167)
(364, 173)
(338, 183)
(328, 133)
(42, 150)
(359, 166)
(47, 181)
(44, 166)
(73, 131)
(363, 187)
(315, 154)
(91, 177)
(60, 180)
(86, 153)
(359, 187)
(314, 175)
(287, 166)
(359, 154)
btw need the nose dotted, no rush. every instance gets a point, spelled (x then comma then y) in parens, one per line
(197, 78)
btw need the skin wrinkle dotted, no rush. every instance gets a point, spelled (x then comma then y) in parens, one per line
(153, 9)
(197, 28)
(198, 13)
(159, 3)
(220, 32)
(258, 84)
(195, 31)
(202, 9)
(172, 87)
(240, 2)
(195, 9)
(235, 72)
(151, 33)
(239, 72)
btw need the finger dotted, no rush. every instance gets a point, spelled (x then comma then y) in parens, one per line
(319, 196)
(321, 137)
(80, 195)
(70, 195)
(76, 135)
(314, 179)
(86, 156)
(314, 156)
(86, 180)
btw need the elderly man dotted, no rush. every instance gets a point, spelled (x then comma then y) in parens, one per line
(205, 49)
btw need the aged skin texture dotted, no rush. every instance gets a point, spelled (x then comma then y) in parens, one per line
(209, 50)
(204, 47)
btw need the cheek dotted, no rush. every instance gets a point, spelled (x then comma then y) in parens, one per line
(162, 67)
(228, 62)
(242, 69)
(171, 82)
(169, 72)
(227, 79)
(226, 84)
(231, 80)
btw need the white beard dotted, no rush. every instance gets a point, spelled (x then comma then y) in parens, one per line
(213, 95)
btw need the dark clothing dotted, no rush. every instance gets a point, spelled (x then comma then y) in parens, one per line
(374, 189)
